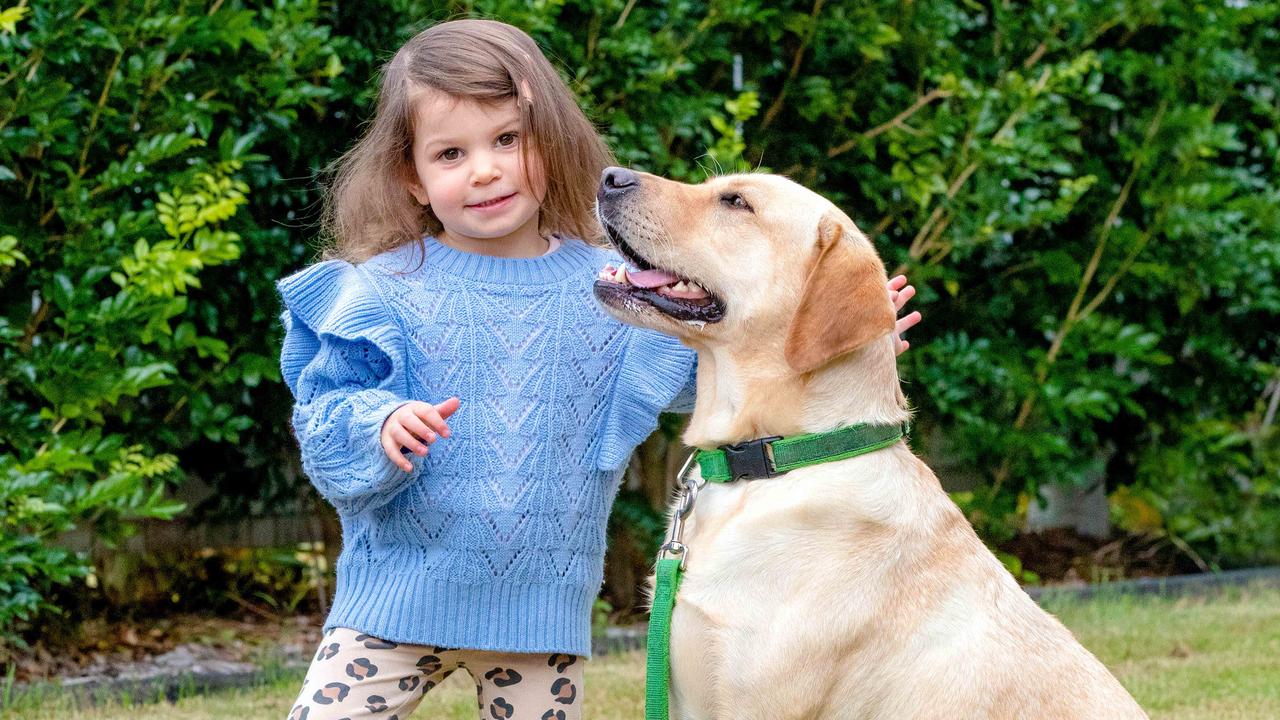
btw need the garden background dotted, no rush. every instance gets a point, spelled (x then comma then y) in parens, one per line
(1085, 194)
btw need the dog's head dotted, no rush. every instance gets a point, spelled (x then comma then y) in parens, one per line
(752, 261)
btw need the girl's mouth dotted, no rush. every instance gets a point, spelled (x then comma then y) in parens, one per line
(490, 204)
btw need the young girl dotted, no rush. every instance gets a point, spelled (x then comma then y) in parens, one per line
(460, 316)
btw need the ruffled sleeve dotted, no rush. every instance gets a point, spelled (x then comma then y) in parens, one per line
(656, 375)
(344, 360)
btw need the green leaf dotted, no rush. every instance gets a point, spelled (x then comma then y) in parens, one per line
(63, 291)
(9, 18)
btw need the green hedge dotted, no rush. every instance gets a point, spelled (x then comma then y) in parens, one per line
(1085, 193)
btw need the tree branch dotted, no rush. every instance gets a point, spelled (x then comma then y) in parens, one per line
(776, 107)
(622, 19)
(920, 102)
(97, 112)
(1273, 405)
(1074, 314)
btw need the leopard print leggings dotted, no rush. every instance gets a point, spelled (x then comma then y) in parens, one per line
(359, 676)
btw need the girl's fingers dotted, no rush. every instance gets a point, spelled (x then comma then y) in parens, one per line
(406, 440)
(429, 415)
(393, 452)
(448, 407)
(419, 429)
(897, 281)
(906, 323)
(903, 296)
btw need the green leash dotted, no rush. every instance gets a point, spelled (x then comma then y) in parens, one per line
(760, 458)
(657, 667)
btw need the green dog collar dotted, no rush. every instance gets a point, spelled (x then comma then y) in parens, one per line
(771, 456)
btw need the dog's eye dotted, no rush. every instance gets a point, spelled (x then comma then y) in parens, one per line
(736, 201)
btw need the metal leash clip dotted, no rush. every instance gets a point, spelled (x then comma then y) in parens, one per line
(673, 546)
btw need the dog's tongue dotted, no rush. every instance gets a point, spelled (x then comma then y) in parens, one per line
(651, 278)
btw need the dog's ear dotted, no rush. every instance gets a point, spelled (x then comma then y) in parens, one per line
(845, 303)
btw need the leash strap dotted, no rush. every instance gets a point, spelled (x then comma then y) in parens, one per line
(767, 457)
(658, 663)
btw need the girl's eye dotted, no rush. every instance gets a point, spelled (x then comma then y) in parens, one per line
(736, 201)
(507, 139)
(450, 155)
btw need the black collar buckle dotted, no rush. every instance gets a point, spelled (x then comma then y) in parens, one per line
(751, 460)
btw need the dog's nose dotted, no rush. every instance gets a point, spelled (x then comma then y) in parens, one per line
(616, 181)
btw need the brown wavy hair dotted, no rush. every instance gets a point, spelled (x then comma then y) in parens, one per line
(367, 206)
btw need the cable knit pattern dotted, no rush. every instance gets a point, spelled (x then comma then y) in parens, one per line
(496, 539)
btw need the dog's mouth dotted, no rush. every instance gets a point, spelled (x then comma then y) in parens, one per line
(671, 294)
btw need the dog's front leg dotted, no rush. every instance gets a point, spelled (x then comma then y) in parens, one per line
(694, 662)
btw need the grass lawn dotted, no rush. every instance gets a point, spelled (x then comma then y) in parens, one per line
(1188, 659)
(1184, 659)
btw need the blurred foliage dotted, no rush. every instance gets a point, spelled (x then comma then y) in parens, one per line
(137, 304)
(269, 581)
(1084, 192)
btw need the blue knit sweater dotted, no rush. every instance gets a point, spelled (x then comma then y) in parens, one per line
(496, 539)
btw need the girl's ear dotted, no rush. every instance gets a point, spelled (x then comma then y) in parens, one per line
(410, 178)
(419, 193)
(415, 186)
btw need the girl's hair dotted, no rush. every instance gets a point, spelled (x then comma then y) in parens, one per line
(368, 208)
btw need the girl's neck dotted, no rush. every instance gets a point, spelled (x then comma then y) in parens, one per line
(524, 242)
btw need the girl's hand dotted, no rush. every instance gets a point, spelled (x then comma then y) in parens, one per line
(414, 426)
(900, 293)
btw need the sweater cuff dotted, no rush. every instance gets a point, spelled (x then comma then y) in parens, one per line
(388, 478)
(361, 476)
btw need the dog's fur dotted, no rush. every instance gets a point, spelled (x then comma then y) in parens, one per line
(852, 589)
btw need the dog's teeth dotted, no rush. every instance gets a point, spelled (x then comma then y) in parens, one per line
(681, 287)
(695, 287)
(621, 275)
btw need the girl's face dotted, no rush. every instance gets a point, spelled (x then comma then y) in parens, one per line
(467, 159)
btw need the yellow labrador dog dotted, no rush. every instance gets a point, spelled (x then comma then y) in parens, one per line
(850, 589)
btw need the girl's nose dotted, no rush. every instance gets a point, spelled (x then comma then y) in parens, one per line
(484, 169)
